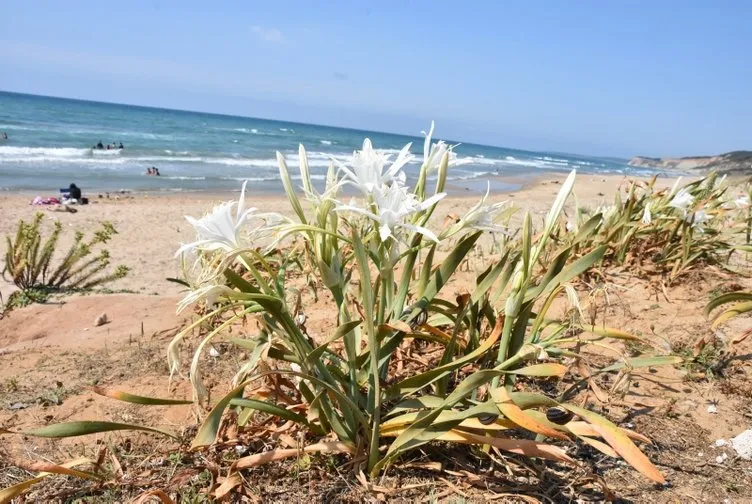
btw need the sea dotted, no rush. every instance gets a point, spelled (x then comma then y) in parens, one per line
(50, 144)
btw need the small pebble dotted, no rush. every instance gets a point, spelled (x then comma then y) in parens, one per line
(712, 409)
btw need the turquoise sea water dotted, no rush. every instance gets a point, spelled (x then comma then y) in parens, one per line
(50, 139)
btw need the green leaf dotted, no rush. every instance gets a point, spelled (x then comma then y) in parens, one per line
(414, 383)
(269, 408)
(587, 229)
(305, 173)
(488, 280)
(732, 312)
(289, 189)
(569, 272)
(417, 403)
(421, 432)
(136, 399)
(642, 362)
(178, 281)
(610, 332)
(240, 283)
(727, 298)
(425, 271)
(448, 266)
(86, 427)
(207, 432)
(341, 331)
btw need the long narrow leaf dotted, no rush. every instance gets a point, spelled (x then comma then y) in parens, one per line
(619, 442)
(137, 399)
(86, 427)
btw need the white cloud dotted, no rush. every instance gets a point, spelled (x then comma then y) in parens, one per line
(268, 34)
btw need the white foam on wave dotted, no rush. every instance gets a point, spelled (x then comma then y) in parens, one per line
(105, 152)
(50, 152)
(15, 127)
(181, 177)
(250, 179)
(470, 175)
(254, 131)
(326, 142)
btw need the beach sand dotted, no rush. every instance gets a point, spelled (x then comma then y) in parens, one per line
(151, 226)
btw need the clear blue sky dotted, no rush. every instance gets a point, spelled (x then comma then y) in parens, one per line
(600, 77)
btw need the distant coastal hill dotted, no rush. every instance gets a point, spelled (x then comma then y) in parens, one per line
(734, 163)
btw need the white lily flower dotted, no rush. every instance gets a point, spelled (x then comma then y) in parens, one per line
(646, 216)
(485, 217)
(606, 211)
(699, 218)
(394, 205)
(209, 293)
(682, 200)
(742, 201)
(367, 172)
(220, 228)
(432, 153)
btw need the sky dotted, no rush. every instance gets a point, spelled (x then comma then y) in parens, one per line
(615, 78)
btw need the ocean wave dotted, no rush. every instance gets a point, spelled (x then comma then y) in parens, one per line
(105, 152)
(52, 152)
(316, 159)
(470, 175)
(254, 131)
(15, 127)
(326, 142)
(181, 177)
(551, 159)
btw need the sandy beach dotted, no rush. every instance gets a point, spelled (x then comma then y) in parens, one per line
(151, 226)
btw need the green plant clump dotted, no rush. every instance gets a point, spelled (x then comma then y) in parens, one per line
(30, 265)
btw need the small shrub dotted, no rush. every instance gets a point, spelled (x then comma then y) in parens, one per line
(29, 262)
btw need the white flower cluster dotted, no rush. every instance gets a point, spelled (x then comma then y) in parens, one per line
(232, 228)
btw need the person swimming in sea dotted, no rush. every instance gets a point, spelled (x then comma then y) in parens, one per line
(5, 135)
(100, 145)
(121, 146)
